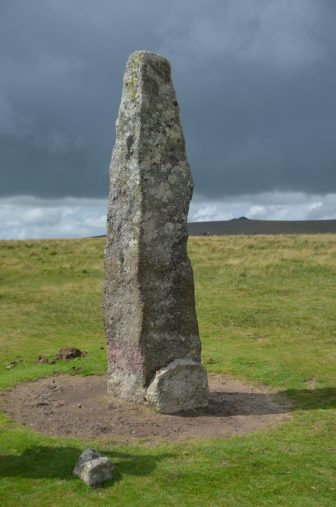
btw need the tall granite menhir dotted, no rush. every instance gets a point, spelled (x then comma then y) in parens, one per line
(149, 308)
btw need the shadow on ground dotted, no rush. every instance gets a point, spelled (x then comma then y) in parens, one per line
(42, 462)
(310, 399)
(235, 404)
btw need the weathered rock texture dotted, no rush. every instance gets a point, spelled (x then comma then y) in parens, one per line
(182, 385)
(149, 306)
(94, 468)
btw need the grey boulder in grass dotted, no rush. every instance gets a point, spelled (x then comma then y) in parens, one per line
(94, 468)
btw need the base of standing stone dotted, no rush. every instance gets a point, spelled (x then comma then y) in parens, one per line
(180, 386)
(126, 386)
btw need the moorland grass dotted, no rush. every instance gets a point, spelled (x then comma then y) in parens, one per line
(266, 308)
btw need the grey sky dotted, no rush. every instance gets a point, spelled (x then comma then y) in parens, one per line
(255, 80)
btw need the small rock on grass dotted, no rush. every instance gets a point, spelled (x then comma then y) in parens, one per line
(11, 365)
(14, 363)
(94, 468)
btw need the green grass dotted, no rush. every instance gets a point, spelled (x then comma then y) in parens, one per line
(266, 308)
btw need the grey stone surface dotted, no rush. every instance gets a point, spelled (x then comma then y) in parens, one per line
(94, 468)
(87, 455)
(182, 385)
(149, 307)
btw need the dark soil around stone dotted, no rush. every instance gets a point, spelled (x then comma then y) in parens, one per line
(79, 407)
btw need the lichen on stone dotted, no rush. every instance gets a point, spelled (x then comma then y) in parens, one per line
(149, 305)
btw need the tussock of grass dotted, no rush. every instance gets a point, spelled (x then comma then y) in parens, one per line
(266, 308)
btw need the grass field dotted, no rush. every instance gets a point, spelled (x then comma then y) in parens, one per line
(267, 314)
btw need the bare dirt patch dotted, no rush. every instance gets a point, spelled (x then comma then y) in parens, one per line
(79, 407)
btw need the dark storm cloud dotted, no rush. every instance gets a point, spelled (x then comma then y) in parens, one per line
(255, 79)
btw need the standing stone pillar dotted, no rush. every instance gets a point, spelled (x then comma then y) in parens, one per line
(149, 308)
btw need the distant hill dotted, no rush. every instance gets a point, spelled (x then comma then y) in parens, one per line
(246, 226)
(243, 225)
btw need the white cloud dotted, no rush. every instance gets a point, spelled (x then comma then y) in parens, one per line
(27, 217)
(265, 206)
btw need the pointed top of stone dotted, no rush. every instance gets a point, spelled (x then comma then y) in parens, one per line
(145, 74)
(142, 53)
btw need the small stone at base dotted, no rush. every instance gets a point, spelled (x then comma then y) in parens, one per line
(180, 386)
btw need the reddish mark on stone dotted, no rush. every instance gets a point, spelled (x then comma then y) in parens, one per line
(128, 358)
